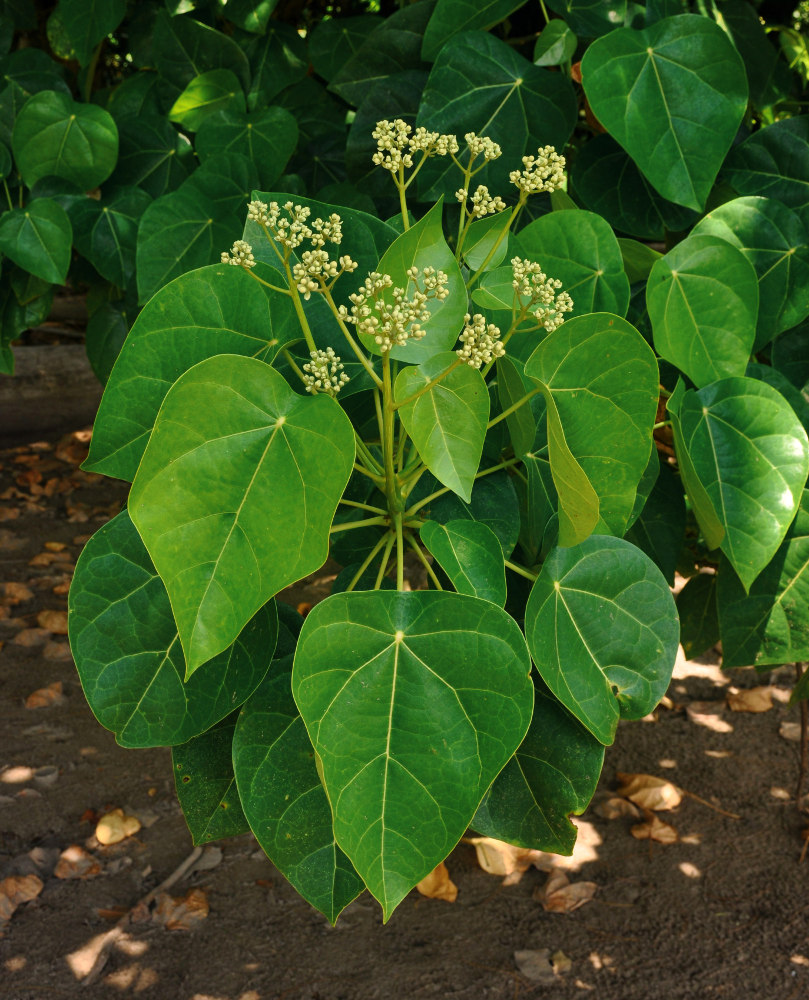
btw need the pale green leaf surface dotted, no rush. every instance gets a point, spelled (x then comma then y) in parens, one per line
(216, 90)
(38, 238)
(470, 554)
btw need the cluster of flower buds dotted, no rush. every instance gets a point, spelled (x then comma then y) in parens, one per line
(481, 341)
(289, 224)
(482, 145)
(482, 202)
(324, 373)
(545, 301)
(397, 144)
(800, 16)
(543, 172)
(393, 319)
(316, 270)
(240, 256)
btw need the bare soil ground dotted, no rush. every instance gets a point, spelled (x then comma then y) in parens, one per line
(722, 912)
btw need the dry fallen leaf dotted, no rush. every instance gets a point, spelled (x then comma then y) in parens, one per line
(757, 699)
(16, 890)
(31, 637)
(709, 715)
(560, 895)
(55, 546)
(438, 885)
(75, 862)
(561, 963)
(614, 808)
(790, 731)
(536, 965)
(116, 826)
(44, 697)
(649, 792)
(53, 621)
(183, 913)
(56, 651)
(15, 593)
(499, 858)
(655, 829)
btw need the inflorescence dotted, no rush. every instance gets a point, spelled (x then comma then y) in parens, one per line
(531, 282)
(481, 341)
(324, 372)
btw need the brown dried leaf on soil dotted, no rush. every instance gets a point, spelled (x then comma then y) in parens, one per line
(790, 731)
(536, 965)
(757, 699)
(9, 542)
(75, 862)
(560, 895)
(116, 826)
(16, 890)
(438, 885)
(15, 593)
(615, 808)
(31, 637)
(53, 621)
(499, 858)
(9, 513)
(648, 791)
(181, 913)
(47, 696)
(655, 829)
(59, 651)
(709, 715)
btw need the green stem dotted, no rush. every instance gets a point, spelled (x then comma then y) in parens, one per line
(663, 423)
(410, 511)
(412, 480)
(384, 564)
(473, 277)
(350, 525)
(291, 362)
(8, 195)
(363, 506)
(400, 184)
(428, 385)
(369, 559)
(399, 551)
(355, 347)
(431, 572)
(91, 71)
(512, 408)
(544, 12)
(275, 288)
(521, 570)
(296, 301)
(400, 450)
(372, 464)
(388, 435)
(361, 468)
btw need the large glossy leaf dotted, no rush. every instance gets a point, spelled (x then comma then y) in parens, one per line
(434, 689)
(215, 310)
(480, 84)
(608, 181)
(106, 232)
(600, 380)
(770, 623)
(284, 799)
(334, 41)
(208, 93)
(676, 86)
(776, 243)
(746, 459)
(453, 16)
(448, 422)
(552, 775)
(206, 786)
(183, 48)
(423, 245)
(659, 529)
(274, 465)
(268, 138)
(127, 650)
(278, 59)
(702, 299)
(153, 154)
(774, 163)
(580, 249)
(470, 554)
(55, 136)
(88, 22)
(603, 631)
(591, 18)
(38, 238)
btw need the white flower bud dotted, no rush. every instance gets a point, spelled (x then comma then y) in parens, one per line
(241, 255)
(543, 172)
(324, 372)
(480, 340)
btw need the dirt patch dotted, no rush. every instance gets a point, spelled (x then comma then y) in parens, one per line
(723, 911)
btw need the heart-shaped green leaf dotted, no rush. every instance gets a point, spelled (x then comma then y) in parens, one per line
(603, 631)
(55, 136)
(769, 624)
(206, 786)
(183, 48)
(447, 422)
(39, 238)
(334, 41)
(153, 154)
(274, 465)
(600, 380)
(208, 93)
(556, 44)
(453, 16)
(268, 138)
(470, 554)
(106, 232)
(702, 299)
(87, 22)
(675, 86)
(278, 59)
(283, 797)
(434, 689)
(485, 242)
(747, 459)
(127, 651)
(552, 775)
(215, 310)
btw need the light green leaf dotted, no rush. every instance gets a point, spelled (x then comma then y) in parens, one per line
(702, 299)
(470, 554)
(434, 689)
(106, 232)
(448, 422)
(603, 631)
(600, 380)
(284, 799)
(183, 48)
(675, 86)
(423, 245)
(556, 44)
(127, 651)
(206, 786)
(591, 18)
(776, 243)
(274, 465)
(747, 460)
(38, 238)
(267, 138)
(480, 84)
(251, 15)
(453, 16)
(216, 90)
(580, 249)
(216, 310)
(552, 775)
(639, 259)
(696, 607)
(483, 235)
(88, 22)
(769, 624)
(55, 136)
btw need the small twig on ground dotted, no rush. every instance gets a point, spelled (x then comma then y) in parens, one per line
(710, 805)
(105, 943)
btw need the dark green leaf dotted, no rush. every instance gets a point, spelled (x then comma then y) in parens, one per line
(470, 554)
(453, 16)
(106, 232)
(591, 18)
(556, 44)
(104, 337)
(251, 15)
(154, 156)
(790, 354)
(659, 529)
(267, 138)
(696, 606)
(208, 93)
(87, 22)
(183, 48)
(38, 238)
(767, 75)
(639, 259)
(277, 60)
(334, 42)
